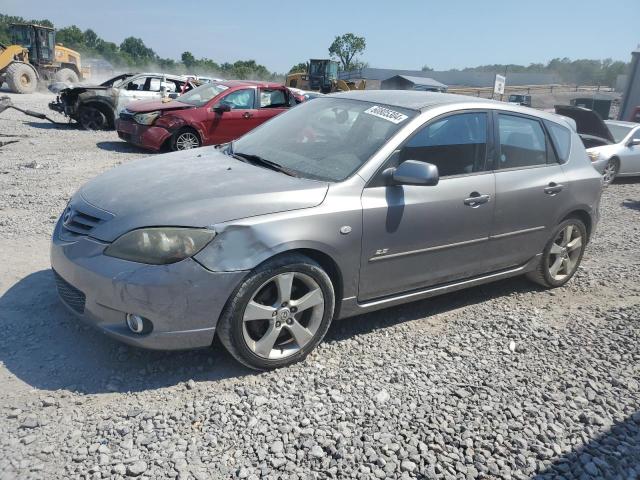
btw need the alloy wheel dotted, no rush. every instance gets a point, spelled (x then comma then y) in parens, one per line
(565, 253)
(283, 315)
(187, 141)
(610, 171)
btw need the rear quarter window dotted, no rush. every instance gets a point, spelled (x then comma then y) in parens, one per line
(561, 137)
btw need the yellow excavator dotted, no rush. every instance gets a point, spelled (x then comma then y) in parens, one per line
(321, 76)
(34, 56)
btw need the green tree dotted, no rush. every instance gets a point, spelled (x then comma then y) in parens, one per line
(91, 38)
(188, 59)
(346, 47)
(71, 37)
(427, 68)
(139, 53)
(301, 67)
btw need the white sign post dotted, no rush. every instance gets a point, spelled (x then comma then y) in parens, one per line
(498, 85)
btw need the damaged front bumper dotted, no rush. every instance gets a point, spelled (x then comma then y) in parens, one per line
(144, 136)
(183, 301)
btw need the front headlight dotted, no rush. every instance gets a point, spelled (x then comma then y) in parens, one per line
(160, 246)
(593, 156)
(146, 118)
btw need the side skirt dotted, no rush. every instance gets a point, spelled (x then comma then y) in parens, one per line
(350, 306)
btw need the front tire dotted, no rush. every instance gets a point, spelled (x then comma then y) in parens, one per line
(185, 139)
(562, 255)
(91, 118)
(279, 313)
(21, 78)
(611, 171)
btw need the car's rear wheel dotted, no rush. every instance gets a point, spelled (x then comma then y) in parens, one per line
(279, 314)
(562, 255)
(185, 139)
(611, 171)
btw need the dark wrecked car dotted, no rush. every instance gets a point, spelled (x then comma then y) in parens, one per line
(96, 107)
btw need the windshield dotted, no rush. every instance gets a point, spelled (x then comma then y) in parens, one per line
(202, 94)
(618, 131)
(327, 139)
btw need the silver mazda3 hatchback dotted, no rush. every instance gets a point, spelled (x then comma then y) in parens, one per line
(347, 204)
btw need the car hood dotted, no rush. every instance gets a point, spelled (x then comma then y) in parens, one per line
(194, 188)
(154, 105)
(587, 121)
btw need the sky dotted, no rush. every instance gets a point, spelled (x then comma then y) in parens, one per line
(403, 34)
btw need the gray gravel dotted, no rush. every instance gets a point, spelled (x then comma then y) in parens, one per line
(502, 381)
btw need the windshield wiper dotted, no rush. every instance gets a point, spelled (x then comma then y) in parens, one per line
(258, 160)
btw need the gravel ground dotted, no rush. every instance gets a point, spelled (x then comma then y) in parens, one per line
(501, 381)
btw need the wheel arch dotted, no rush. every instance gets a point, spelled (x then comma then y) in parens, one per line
(35, 70)
(584, 217)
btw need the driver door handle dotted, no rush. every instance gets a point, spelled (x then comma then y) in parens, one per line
(476, 199)
(247, 115)
(553, 188)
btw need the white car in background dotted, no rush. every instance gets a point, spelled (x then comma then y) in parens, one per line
(612, 145)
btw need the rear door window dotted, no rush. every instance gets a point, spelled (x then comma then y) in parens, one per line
(273, 98)
(522, 142)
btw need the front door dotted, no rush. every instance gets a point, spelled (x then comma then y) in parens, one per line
(417, 236)
(230, 125)
(531, 191)
(630, 154)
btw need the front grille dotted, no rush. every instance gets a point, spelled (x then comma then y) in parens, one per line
(80, 223)
(70, 294)
(126, 115)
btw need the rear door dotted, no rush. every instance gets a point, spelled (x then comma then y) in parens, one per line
(227, 126)
(531, 190)
(417, 236)
(271, 102)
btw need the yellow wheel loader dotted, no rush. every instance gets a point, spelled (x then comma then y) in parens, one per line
(34, 56)
(321, 76)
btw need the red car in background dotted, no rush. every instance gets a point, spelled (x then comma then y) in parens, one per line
(211, 114)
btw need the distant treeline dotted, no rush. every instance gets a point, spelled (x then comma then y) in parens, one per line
(132, 53)
(581, 72)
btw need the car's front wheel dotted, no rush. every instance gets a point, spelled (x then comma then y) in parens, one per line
(610, 171)
(562, 254)
(279, 313)
(185, 139)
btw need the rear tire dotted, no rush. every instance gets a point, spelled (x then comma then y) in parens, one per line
(280, 312)
(185, 139)
(66, 75)
(91, 118)
(562, 255)
(21, 78)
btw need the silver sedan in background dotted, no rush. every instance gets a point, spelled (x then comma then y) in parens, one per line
(344, 205)
(621, 158)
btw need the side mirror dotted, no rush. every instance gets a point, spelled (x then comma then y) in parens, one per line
(222, 108)
(633, 142)
(413, 172)
(173, 95)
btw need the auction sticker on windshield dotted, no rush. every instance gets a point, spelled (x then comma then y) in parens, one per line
(387, 114)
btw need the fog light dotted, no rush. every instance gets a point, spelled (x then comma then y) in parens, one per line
(136, 323)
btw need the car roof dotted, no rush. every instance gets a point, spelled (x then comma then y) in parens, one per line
(250, 83)
(156, 74)
(421, 101)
